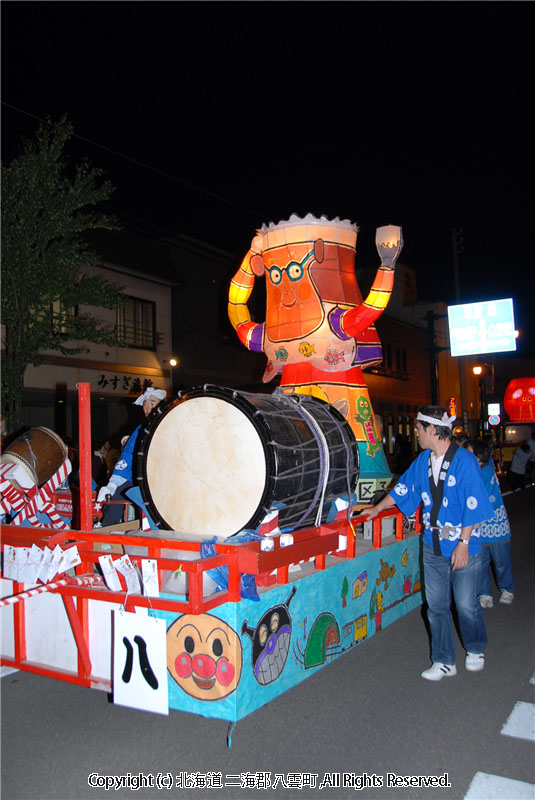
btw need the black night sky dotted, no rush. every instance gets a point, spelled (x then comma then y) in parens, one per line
(211, 118)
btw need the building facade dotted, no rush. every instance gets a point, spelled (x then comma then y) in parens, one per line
(116, 374)
(175, 292)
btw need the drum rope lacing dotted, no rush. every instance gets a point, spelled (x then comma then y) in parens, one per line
(297, 403)
(324, 465)
(334, 450)
(28, 440)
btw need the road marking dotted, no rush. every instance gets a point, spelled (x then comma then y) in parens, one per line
(5, 671)
(494, 787)
(521, 722)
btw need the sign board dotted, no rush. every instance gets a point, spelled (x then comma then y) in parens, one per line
(487, 327)
(493, 409)
(494, 419)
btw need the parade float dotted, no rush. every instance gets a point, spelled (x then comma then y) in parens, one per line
(249, 568)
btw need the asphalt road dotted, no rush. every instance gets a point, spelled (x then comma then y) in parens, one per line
(362, 718)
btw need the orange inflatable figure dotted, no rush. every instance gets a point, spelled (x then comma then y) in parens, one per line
(319, 333)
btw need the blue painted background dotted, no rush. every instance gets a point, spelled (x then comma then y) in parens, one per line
(375, 589)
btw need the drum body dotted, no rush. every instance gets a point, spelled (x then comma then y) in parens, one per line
(217, 461)
(39, 451)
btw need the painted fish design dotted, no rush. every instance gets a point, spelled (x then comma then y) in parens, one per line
(306, 349)
(334, 356)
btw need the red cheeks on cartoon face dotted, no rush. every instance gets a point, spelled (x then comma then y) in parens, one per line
(183, 665)
(204, 656)
(225, 672)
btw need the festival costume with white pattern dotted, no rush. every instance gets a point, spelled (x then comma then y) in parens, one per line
(463, 503)
(121, 480)
(496, 544)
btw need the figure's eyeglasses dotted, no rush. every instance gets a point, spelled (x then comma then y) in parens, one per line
(294, 270)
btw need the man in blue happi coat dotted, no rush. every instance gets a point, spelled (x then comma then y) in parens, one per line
(447, 479)
(121, 479)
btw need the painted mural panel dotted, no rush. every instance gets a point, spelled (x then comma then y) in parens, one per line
(230, 663)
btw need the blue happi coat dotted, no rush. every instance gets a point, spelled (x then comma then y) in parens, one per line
(495, 529)
(122, 472)
(465, 501)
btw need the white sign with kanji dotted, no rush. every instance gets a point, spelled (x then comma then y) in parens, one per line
(140, 662)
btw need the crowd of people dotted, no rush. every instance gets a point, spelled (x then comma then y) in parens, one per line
(465, 530)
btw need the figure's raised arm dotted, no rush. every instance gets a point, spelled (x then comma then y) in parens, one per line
(241, 286)
(389, 242)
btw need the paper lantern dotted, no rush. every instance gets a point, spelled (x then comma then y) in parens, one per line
(319, 333)
(519, 399)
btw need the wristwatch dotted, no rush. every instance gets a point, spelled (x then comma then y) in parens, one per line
(465, 541)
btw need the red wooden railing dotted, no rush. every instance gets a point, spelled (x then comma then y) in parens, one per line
(268, 567)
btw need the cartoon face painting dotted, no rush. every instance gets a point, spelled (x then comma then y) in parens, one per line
(271, 642)
(294, 306)
(204, 656)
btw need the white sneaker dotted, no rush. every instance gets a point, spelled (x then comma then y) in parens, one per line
(486, 601)
(437, 671)
(506, 597)
(474, 662)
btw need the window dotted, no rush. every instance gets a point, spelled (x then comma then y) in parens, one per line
(61, 318)
(136, 323)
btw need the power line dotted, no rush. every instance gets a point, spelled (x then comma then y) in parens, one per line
(257, 214)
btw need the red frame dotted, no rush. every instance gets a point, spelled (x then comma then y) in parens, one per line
(244, 558)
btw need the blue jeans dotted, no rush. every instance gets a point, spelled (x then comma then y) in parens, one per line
(500, 554)
(440, 580)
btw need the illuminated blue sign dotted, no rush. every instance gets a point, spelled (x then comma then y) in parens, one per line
(487, 327)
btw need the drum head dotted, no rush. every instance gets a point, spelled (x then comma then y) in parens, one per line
(204, 467)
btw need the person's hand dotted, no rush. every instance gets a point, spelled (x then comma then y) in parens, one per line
(106, 491)
(459, 557)
(369, 513)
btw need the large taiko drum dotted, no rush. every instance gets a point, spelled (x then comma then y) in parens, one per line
(217, 461)
(39, 451)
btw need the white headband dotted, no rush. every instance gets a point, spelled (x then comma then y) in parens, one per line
(150, 392)
(445, 422)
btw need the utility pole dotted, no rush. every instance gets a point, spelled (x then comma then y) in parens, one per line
(434, 350)
(457, 235)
